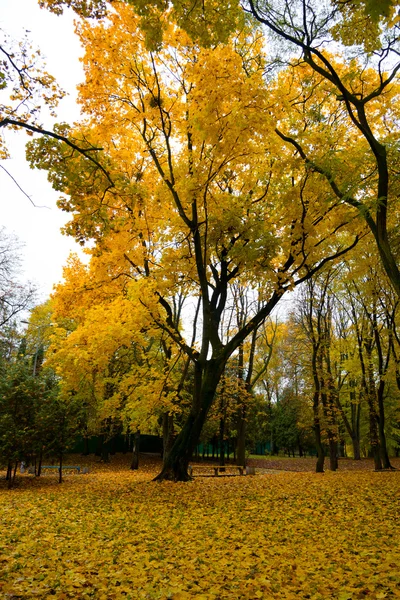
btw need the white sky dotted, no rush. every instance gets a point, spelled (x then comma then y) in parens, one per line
(46, 249)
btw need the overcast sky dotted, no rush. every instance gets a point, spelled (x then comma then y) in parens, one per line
(46, 249)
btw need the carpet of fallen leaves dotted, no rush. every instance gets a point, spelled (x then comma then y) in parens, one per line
(307, 464)
(115, 534)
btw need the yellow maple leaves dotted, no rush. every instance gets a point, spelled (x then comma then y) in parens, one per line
(115, 534)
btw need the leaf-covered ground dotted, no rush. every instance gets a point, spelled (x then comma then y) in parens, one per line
(115, 534)
(308, 464)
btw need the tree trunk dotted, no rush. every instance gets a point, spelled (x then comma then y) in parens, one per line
(381, 427)
(319, 468)
(373, 417)
(241, 438)
(99, 445)
(85, 446)
(15, 471)
(333, 454)
(60, 469)
(355, 421)
(9, 475)
(168, 433)
(222, 441)
(175, 466)
(9, 471)
(136, 447)
(39, 470)
(105, 457)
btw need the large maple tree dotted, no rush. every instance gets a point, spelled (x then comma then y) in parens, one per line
(200, 192)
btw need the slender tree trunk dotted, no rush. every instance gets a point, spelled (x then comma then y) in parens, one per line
(99, 445)
(9, 471)
(381, 427)
(105, 457)
(168, 433)
(355, 408)
(241, 437)
(135, 454)
(222, 441)
(15, 471)
(317, 423)
(9, 475)
(317, 433)
(39, 469)
(373, 416)
(60, 468)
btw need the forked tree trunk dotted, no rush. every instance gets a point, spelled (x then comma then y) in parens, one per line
(175, 466)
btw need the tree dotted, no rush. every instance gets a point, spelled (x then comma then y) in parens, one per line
(192, 189)
(15, 297)
(310, 29)
(31, 89)
(314, 29)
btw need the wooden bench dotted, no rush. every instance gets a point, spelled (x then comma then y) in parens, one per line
(216, 468)
(64, 467)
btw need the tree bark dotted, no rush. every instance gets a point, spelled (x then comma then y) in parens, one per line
(381, 427)
(241, 437)
(175, 466)
(168, 433)
(60, 469)
(135, 453)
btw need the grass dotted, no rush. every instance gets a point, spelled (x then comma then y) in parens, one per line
(115, 534)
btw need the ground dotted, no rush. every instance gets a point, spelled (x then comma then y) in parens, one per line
(115, 534)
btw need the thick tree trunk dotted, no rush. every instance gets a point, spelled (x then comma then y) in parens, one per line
(135, 453)
(176, 463)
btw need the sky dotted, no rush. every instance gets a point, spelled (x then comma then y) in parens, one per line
(45, 249)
